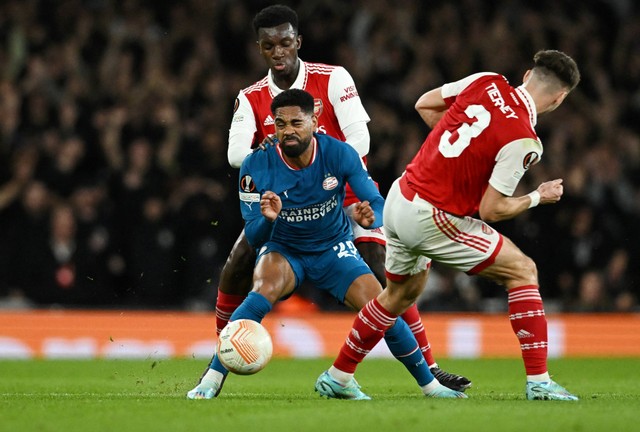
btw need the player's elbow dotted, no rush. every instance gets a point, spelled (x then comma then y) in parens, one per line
(357, 135)
(489, 217)
(362, 147)
(429, 116)
(235, 158)
(490, 214)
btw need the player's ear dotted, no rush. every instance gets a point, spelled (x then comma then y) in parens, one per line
(527, 76)
(560, 98)
(298, 41)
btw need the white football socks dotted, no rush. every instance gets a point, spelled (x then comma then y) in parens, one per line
(342, 377)
(428, 388)
(212, 378)
(539, 378)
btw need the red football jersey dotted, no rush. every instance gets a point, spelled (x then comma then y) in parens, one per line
(337, 105)
(316, 82)
(488, 121)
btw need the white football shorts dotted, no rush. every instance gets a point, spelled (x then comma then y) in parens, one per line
(418, 232)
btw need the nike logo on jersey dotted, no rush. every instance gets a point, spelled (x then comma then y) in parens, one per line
(268, 121)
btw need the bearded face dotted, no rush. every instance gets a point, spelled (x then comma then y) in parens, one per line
(294, 130)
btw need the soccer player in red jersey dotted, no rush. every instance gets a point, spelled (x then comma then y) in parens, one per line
(481, 144)
(341, 115)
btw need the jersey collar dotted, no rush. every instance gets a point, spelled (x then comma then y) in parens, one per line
(297, 84)
(314, 144)
(529, 103)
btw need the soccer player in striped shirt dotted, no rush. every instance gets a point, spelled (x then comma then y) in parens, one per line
(481, 144)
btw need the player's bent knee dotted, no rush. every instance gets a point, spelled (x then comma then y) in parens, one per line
(270, 291)
(528, 267)
(398, 297)
(522, 272)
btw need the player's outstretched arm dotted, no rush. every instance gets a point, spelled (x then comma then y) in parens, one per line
(550, 192)
(431, 106)
(496, 207)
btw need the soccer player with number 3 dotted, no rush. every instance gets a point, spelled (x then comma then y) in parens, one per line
(481, 144)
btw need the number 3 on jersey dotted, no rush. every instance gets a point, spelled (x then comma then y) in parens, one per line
(466, 132)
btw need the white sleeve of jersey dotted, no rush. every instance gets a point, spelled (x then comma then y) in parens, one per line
(357, 135)
(243, 128)
(344, 97)
(512, 161)
(455, 88)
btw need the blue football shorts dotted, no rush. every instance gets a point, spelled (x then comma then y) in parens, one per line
(333, 270)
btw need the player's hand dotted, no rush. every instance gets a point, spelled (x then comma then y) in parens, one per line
(363, 214)
(551, 191)
(270, 205)
(269, 140)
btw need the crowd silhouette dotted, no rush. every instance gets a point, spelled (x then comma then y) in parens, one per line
(115, 189)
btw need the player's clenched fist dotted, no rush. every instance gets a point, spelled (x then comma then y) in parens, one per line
(551, 191)
(363, 214)
(270, 205)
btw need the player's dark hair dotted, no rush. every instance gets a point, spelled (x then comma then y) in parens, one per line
(273, 16)
(293, 97)
(560, 65)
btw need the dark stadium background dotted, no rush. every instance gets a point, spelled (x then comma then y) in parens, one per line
(114, 118)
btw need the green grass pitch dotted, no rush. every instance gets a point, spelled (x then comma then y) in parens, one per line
(149, 395)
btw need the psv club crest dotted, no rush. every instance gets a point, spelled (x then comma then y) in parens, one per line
(329, 183)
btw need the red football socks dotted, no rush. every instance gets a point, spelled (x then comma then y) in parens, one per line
(226, 304)
(368, 328)
(413, 320)
(529, 324)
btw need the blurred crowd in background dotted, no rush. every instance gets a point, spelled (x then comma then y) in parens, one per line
(115, 189)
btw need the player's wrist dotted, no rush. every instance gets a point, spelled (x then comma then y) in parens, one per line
(535, 198)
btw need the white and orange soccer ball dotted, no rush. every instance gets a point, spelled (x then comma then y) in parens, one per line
(244, 347)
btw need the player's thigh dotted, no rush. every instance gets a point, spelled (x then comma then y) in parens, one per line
(511, 267)
(400, 294)
(370, 243)
(373, 254)
(274, 276)
(335, 269)
(404, 223)
(237, 272)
